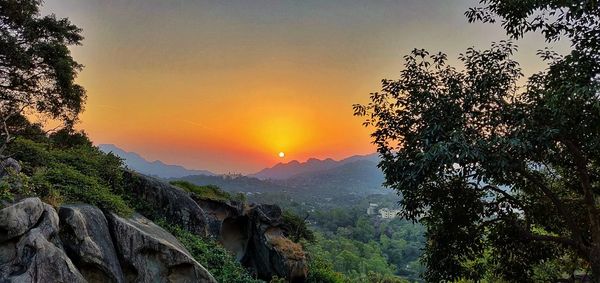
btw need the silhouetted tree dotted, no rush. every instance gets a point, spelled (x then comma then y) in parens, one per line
(37, 71)
(504, 176)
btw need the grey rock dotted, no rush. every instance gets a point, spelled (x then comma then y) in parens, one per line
(227, 222)
(168, 201)
(150, 254)
(19, 217)
(34, 257)
(9, 164)
(269, 251)
(256, 236)
(87, 240)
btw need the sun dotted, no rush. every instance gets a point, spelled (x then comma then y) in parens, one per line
(281, 154)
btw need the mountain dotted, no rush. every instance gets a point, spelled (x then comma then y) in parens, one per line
(357, 175)
(283, 171)
(152, 168)
(314, 181)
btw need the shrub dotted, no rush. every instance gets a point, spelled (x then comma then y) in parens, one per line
(75, 186)
(296, 227)
(14, 185)
(214, 257)
(321, 271)
(209, 191)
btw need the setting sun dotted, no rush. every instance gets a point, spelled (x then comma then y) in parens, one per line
(281, 154)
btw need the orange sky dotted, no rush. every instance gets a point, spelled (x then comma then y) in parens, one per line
(226, 85)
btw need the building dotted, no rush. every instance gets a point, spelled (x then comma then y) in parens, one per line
(387, 213)
(372, 209)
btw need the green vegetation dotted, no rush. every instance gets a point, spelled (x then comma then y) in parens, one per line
(297, 228)
(504, 176)
(208, 191)
(58, 173)
(216, 259)
(37, 72)
(358, 244)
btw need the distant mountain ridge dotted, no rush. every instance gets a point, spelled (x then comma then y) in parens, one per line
(152, 168)
(283, 171)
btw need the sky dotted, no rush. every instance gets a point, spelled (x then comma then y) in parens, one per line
(227, 85)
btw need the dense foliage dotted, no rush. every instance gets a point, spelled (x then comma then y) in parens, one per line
(505, 177)
(37, 71)
(58, 172)
(209, 191)
(359, 245)
(214, 257)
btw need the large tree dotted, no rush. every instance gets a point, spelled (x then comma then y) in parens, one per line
(505, 176)
(37, 71)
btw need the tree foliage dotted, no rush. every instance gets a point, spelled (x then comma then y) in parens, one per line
(488, 164)
(37, 71)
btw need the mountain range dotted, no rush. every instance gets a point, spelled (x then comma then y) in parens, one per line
(152, 168)
(356, 175)
(283, 171)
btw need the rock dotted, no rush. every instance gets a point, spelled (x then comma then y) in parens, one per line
(256, 237)
(87, 241)
(168, 201)
(19, 217)
(9, 164)
(35, 256)
(269, 251)
(150, 254)
(227, 223)
(254, 234)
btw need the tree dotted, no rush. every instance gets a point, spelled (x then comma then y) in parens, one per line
(37, 71)
(492, 166)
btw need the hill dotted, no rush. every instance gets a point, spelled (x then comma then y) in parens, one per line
(283, 171)
(152, 168)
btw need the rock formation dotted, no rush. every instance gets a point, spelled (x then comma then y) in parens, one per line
(168, 201)
(29, 252)
(80, 245)
(150, 254)
(255, 234)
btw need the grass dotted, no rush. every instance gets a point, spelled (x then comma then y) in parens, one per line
(209, 191)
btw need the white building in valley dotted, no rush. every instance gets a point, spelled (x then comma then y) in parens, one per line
(387, 213)
(372, 210)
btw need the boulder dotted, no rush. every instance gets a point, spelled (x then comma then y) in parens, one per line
(269, 251)
(37, 256)
(87, 241)
(9, 165)
(167, 201)
(18, 218)
(227, 223)
(150, 254)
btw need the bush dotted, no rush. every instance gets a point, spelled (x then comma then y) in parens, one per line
(75, 186)
(214, 257)
(296, 227)
(321, 271)
(14, 185)
(66, 167)
(209, 191)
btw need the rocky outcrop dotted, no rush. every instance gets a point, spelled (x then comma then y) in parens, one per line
(36, 255)
(269, 252)
(256, 235)
(168, 201)
(150, 254)
(86, 237)
(18, 218)
(79, 244)
(9, 165)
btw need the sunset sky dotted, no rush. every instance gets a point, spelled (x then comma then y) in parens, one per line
(227, 85)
